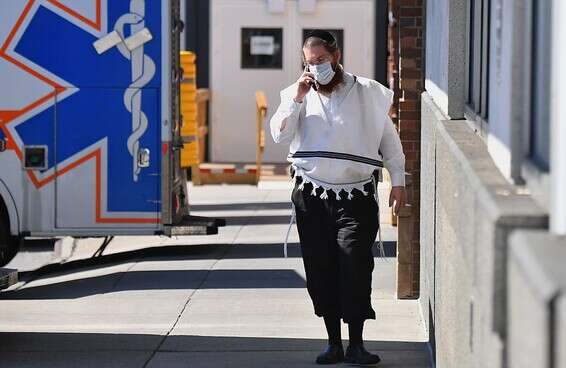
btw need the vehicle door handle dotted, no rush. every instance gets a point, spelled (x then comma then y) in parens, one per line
(143, 157)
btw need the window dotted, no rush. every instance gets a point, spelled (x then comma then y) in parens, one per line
(478, 59)
(539, 138)
(262, 48)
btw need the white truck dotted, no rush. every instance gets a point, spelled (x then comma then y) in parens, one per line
(90, 121)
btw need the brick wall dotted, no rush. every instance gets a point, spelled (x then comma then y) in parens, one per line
(406, 79)
(393, 58)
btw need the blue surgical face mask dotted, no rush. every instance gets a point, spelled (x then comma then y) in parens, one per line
(323, 73)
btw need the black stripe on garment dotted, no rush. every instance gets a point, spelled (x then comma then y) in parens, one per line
(338, 156)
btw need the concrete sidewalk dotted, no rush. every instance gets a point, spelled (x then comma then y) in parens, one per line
(228, 300)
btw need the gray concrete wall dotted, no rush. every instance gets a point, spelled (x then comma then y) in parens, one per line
(537, 282)
(466, 220)
(428, 207)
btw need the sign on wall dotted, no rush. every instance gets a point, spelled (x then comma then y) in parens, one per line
(262, 45)
(262, 48)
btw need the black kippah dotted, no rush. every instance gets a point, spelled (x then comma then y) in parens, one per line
(323, 35)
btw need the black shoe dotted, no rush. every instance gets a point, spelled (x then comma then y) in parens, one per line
(332, 355)
(356, 354)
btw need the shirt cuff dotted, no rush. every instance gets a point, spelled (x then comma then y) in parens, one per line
(397, 179)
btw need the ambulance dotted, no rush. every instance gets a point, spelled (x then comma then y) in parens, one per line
(90, 121)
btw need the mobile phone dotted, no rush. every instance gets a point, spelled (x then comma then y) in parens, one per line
(314, 84)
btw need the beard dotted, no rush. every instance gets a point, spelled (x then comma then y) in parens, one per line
(335, 82)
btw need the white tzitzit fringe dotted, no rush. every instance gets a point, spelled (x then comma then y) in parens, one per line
(289, 231)
(336, 188)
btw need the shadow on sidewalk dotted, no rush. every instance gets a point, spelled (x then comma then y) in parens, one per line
(180, 252)
(256, 220)
(175, 252)
(160, 280)
(22, 349)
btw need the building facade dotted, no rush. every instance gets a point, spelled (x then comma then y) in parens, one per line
(493, 183)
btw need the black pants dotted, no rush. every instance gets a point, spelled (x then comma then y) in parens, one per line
(336, 243)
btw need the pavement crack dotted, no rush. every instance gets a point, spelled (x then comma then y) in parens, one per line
(205, 278)
(122, 275)
(187, 302)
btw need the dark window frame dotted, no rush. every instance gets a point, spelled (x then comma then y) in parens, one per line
(477, 55)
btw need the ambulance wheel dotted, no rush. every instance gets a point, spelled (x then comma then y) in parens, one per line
(8, 243)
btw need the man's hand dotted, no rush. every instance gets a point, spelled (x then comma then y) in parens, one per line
(304, 85)
(397, 197)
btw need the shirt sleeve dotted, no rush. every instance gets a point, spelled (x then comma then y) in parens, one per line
(393, 156)
(390, 146)
(284, 122)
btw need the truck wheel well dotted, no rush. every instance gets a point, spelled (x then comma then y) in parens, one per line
(4, 216)
(9, 244)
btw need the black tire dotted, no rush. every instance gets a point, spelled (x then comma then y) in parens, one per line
(8, 244)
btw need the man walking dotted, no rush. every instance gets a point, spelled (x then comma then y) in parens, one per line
(339, 132)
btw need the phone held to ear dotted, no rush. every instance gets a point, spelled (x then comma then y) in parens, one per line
(313, 84)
